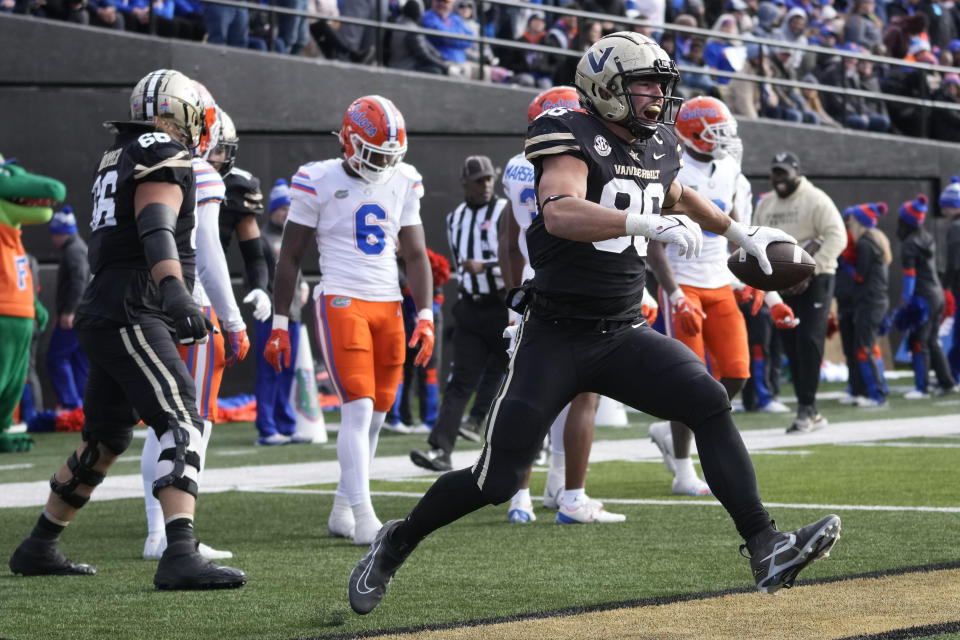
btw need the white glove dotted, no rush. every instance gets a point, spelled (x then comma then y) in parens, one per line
(510, 333)
(261, 304)
(678, 230)
(754, 240)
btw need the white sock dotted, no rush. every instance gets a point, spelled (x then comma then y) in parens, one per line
(353, 450)
(363, 512)
(556, 432)
(376, 423)
(521, 497)
(572, 498)
(684, 469)
(148, 470)
(341, 506)
(207, 432)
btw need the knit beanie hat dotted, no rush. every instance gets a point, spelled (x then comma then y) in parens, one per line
(279, 195)
(64, 221)
(914, 211)
(867, 213)
(951, 195)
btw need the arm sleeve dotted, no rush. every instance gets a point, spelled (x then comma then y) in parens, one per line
(865, 258)
(830, 227)
(212, 267)
(254, 263)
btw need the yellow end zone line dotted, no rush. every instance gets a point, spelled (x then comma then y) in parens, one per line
(859, 607)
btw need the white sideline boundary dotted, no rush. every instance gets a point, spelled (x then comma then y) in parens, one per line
(248, 478)
(647, 501)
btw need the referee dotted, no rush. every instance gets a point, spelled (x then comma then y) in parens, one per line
(479, 313)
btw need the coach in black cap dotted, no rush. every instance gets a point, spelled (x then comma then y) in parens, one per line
(480, 316)
(810, 216)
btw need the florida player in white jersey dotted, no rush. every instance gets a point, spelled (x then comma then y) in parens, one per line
(699, 305)
(573, 429)
(213, 292)
(364, 210)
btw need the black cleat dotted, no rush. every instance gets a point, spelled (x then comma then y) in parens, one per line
(435, 459)
(777, 557)
(181, 567)
(36, 558)
(372, 575)
(471, 430)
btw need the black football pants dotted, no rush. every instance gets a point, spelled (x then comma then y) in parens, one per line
(804, 344)
(632, 364)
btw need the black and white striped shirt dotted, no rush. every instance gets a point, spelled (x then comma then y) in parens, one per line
(472, 234)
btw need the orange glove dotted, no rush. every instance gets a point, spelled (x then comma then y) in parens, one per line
(783, 316)
(239, 345)
(424, 335)
(747, 294)
(687, 314)
(277, 351)
(650, 313)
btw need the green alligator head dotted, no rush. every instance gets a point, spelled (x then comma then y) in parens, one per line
(26, 198)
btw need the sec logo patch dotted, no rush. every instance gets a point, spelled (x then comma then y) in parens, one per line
(602, 146)
(340, 302)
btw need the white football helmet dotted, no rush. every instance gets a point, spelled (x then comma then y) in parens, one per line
(610, 65)
(229, 142)
(170, 95)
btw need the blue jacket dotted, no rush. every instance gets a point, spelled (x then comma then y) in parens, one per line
(451, 49)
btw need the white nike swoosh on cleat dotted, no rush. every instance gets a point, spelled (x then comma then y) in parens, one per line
(366, 572)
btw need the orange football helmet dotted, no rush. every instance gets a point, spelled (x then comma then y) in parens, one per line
(374, 138)
(706, 125)
(210, 136)
(562, 96)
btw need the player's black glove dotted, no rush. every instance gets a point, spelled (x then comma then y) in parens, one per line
(188, 321)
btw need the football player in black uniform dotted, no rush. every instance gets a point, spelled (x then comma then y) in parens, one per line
(143, 265)
(238, 214)
(604, 179)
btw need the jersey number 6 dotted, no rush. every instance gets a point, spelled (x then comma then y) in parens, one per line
(370, 236)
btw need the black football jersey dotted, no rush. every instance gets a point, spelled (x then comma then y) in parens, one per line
(243, 199)
(599, 279)
(122, 290)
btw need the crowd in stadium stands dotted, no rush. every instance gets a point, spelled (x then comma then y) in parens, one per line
(912, 30)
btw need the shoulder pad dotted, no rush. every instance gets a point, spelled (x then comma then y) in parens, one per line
(553, 132)
(409, 172)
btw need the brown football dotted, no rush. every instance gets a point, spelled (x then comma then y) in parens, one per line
(791, 264)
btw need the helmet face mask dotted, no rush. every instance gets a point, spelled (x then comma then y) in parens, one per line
(374, 138)
(171, 96)
(705, 125)
(229, 144)
(608, 70)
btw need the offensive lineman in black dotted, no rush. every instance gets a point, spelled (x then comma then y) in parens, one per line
(603, 179)
(143, 264)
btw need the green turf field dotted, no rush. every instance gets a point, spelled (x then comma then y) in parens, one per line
(480, 567)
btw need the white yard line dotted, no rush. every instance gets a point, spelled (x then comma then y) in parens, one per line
(27, 494)
(646, 501)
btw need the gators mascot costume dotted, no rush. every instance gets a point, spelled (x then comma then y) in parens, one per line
(25, 198)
